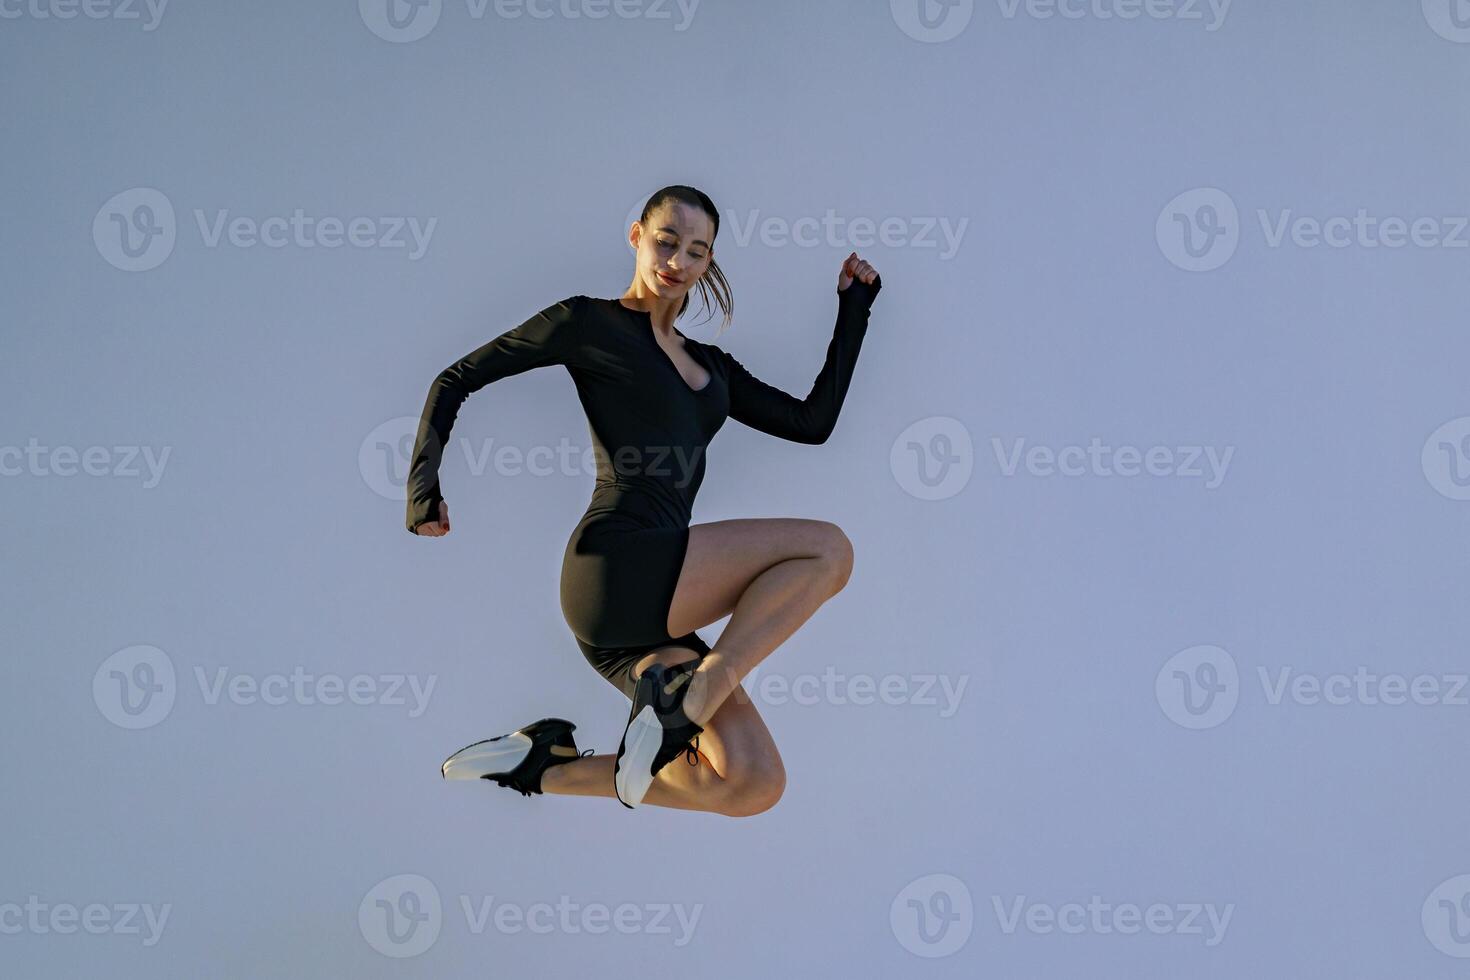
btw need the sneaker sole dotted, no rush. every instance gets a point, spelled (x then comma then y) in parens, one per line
(488, 758)
(634, 769)
(493, 757)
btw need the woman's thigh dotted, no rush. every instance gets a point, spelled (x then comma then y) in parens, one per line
(724, 557)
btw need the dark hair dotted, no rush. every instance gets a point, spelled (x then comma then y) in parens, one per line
(713, 281)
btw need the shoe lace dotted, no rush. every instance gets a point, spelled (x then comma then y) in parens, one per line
(683, 679)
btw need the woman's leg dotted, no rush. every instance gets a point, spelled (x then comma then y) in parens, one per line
(739, 773)
(769, 575)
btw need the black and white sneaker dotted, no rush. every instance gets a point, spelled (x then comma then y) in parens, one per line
(658, 731)
(516, 760)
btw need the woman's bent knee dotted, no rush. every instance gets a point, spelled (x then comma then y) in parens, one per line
(837, 555)
(755, 791)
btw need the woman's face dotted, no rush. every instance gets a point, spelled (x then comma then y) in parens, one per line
(674, 249)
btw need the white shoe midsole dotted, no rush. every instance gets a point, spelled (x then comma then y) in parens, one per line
(483, 759)
(640, 744)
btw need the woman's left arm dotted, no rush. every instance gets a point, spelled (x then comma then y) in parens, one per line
(811, 419)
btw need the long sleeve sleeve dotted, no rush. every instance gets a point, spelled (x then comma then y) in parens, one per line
(810, 419)
(548, 337)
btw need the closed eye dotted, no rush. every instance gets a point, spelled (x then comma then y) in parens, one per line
(670, 245)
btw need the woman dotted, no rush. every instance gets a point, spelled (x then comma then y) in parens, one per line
(637, 580)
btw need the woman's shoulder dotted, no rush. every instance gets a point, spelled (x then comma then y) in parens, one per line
(574, 311)
(582, 319)
(588, 307)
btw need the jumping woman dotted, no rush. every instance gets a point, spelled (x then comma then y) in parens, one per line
(636, 579)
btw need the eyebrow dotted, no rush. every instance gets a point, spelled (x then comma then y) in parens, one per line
(671, 231)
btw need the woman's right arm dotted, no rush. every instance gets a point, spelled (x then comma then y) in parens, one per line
(549, 337)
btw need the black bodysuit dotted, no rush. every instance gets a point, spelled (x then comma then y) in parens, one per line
(650, 431)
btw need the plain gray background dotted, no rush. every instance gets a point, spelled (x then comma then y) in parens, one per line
(1055, 141)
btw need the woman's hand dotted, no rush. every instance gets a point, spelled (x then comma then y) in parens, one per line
(855, 268)
(435, 529)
